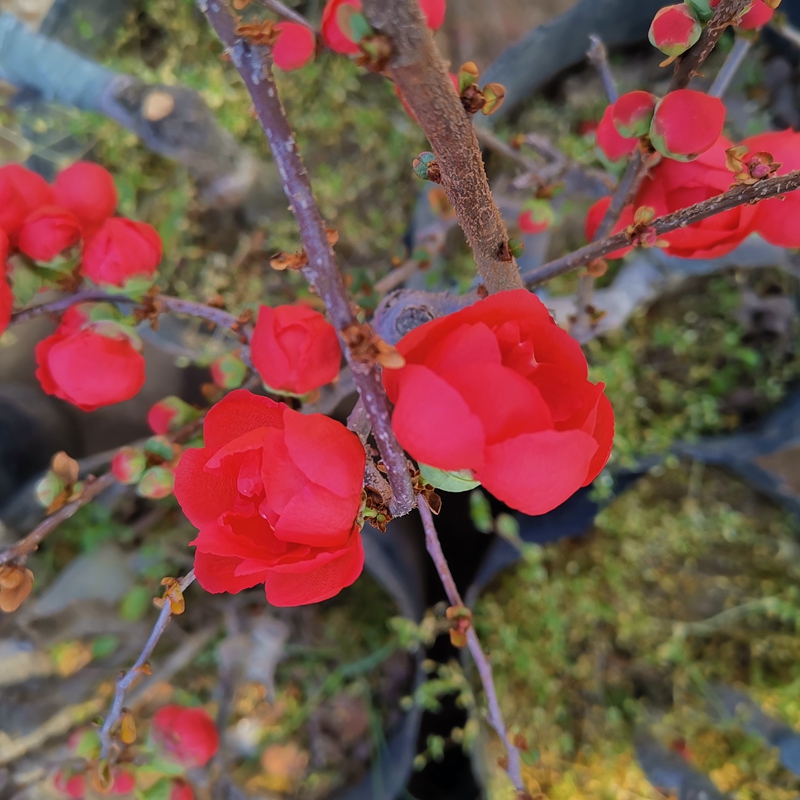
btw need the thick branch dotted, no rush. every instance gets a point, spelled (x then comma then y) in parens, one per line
(255, 67)
(738, 196)
(125, 681)
(421, 76)
(481, 662)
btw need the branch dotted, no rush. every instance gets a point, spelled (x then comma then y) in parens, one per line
(688, 65)
(741, 47)
(481, 662)
(216, 316)
(25, 546)
(255, 67)
(419, 73)
(598, 58)
(287, 13)
(738, 196)
(125, 681)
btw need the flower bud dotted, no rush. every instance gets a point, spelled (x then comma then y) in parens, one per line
(494, 93)
(613, 146)
(128, 465)
(160, 448)
(228, 371)
(467, 75)
(295, 46)
(686, 123)
(49, 488)
(156, 483)
(674, 30)
(633, 113)
(170, 414)
(424, 164)
(537, 215)
(703, 9)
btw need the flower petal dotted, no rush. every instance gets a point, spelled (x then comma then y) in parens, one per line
(202, 495)
(536, 472)
(217, 574)
(236, 414)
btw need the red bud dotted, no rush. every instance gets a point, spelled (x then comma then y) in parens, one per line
(633, 113)
(675, 29)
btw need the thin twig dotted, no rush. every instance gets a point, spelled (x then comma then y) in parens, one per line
(493, 142)
(255, 67)
(735, 59)
(139, 667)
(420, 74)
(216, 316)
(398, 276)
(287, 13)
(598, 58)
(738, 196)
(25, 546)
(434, 547)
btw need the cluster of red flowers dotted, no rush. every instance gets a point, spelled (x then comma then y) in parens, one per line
(676, 183)
(296, 44)
(181, 738)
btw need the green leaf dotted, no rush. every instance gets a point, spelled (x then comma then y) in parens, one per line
(481, 512)
(461, 481)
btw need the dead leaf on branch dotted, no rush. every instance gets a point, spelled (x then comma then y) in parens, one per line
(173, 594)
(16, 583)
(367, 347)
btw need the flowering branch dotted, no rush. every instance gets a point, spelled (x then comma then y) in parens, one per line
(434, 547)
(125, 681)
(738, 196)
(254, 65)
(25, 546)
(419, 73)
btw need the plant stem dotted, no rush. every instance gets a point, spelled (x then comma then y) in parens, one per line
(434, 547)
(738, 196)
(735, 59)
(598, 58)
(125, 681)
(418, 71)
(287, 13)
(255, 67)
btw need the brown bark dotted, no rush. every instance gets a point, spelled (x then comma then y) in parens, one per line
(421, 76)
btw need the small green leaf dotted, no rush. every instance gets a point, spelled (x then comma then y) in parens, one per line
(461, 481)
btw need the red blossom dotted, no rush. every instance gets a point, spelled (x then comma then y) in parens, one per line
(500, 390)
(595, 216)
(89, 364)
(295, 46)
(295, 349)
(21, 192)
(276, 495)
(121, 249)
(777, 219)
(88, 191)
(47, 232)
(632, 114)
(336, 15)
(674, 29)
(610, 141)
(73, 786)
(758, 15)
(6, 295)
(673, 185)
(188, 735)
(686, 123)
(180, 790)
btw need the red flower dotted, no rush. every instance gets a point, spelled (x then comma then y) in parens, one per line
(632, 114)
(47, 232)
(674, 29)
(6, 295)
(188, 735)
(295, 349)
(595, 216)
(610, 141)
(275, 494)
(21, 192)
(686, 123)
(500, 390)
(673, 185)
(75, 785)
(776, 219)
(295, 46)
(120, 250)
(758, 15)
(181, 791)
(89, 364)
(88, 191)
(336, 15)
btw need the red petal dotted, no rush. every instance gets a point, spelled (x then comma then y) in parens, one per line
(604, 436)
(217, 574)
(295, 46)
(318, 517)
(202, 495)
(689, 121)
(536, 472)
(466, 345)
(433, 422)
(609, 140)
(236, 414)
(317, 579)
